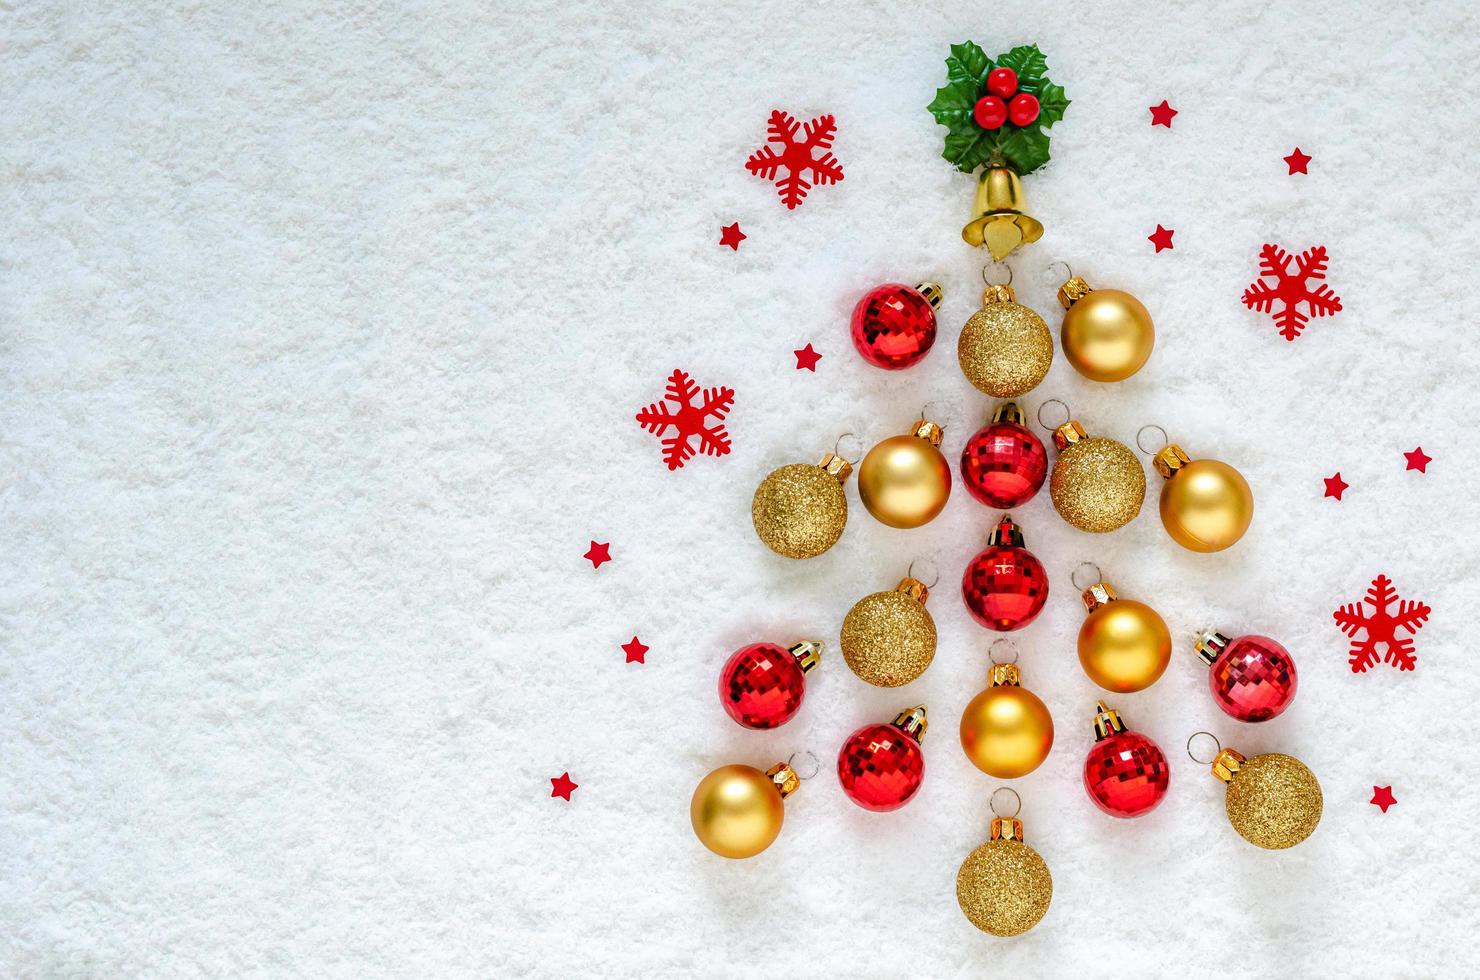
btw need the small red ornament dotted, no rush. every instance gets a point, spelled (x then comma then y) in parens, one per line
(1004, 464)
(881, 766)
(762, 685)
(1125, 773)
(894, 325)
(1005, 586)
(1023, 109)
(1252, 678)
(990, 112)
(1002, 82)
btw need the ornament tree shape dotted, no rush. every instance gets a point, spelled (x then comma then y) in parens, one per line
(1290, 289)
(1382, 626)
(796, 156)
(688, 420)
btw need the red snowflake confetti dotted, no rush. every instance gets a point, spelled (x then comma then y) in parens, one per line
(598, 553)
(732, 236)
(796, 157)
(1297, 161)
(1161, 237)
(1161, 115)
(636, 651)
(562, 786)
(688, 420)
(807, 359)
(1418, 460)
(1336, 486)
(1382, 626)
(1382, 796)
(1291, 289)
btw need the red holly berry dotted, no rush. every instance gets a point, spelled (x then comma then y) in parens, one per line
(1002, 82)
(1023, 109)
(881, 766)
(990, 112)
(1126, 774)
(762, 685)
(1004, 463)
(1005, 585)
(894, 324)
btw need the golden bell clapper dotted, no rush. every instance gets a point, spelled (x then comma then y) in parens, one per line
(1006, 731)
(1097, 484)
(1107, 334)
(1206, 505)
(736, 810)
(1004, 887)
(1005, 348)
(999, 222)
(800, 510)
(888, 638)
(904, 481)
(1274, 800)
(1124, 645)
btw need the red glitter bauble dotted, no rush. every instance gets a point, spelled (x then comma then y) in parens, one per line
(1005, 586)
(1003, 465)
(881, 767)
(762, 685)
(1126, 774)
(894, 325)
(1253, 679)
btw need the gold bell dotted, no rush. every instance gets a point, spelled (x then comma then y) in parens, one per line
(1001, 224)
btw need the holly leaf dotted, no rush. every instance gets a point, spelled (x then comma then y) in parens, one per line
(968, 63)
(1051, 103)
(953, 104)
(970, 147)
(1024, 150)
(1028, 62)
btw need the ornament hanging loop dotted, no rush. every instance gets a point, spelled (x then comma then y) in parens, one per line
(1204, 762)
(1053, 401)
(1074, 577)
(1165, 439)
(1017, 802)
(810, 765)
(992, 651)
(934, 572)
(1054, 277)
(994, 265)
(855, 453)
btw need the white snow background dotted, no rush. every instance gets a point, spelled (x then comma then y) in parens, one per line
(322, 328)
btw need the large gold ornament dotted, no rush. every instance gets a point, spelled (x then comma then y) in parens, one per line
(799, 511)
(904, 481)
(736, 810)
(1005, 348)
(888, 638)
(999, 222)
(1004, 886)
(1274, 800)
(1206, 505)
(1107, 334)
(1006, 731)
(1097, 484)
(1124, 645)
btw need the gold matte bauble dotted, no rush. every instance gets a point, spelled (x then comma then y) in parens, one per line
(1206, 505)
(1003, 886)
(1274, 800)
(1124, 645)
(1107, 334)
(1005, 348)
(799, 511)
(737, 811)
(888, 638)
(1006, 731)
(1097, 485)
(904, 481)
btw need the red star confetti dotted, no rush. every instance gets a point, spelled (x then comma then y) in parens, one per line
(1417, 460)
(807, 359)
(1297, 161)
(688, 420)
(1161, 237)
(1382, 797)
(796, 156)
(1161, 115)
(1336, 486)
(635, 651)
(598, 553)
(562, 786)
(1381, 626)
(732, 236)
(1290, 289)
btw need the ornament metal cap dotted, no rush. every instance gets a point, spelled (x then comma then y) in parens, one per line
(1097, 595)
(932, 292)
(1072, 291)
(1000, 293)
(1006, 534)
(808, 654)
(1000, 222)
(1005, 675)
(1209, 644)
(1007, 828)
(1009, 412)
(784, 778)
(1169, 459)
(1107, 721)
(1227, 764)
(927, 430)
(914, 588)
(837, 466)
(913, 722)
(1068, 434)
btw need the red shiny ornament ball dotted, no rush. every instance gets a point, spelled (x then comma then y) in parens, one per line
(893, 326)
(1004, 588)
(990, 112)
(1253, 679)
(1023, 109)
(1004, 465)
(881, 767)
(762, 685)
(1126, 774)
(1002, 82)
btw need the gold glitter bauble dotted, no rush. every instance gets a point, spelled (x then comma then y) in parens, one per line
(1097, 485)
(1004, 887)
(1274, 801)
(888, 638)
(800, 510)
(1005, 348)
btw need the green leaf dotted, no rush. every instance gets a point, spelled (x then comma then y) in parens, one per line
(1025, 150)
(953, 104)
(1029, 64)
(968, 63)
(1051, 103)
(969, 148)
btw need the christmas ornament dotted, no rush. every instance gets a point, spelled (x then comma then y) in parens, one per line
(762, 685)
(1161, 238)
(997, 111)
(1124, 646)
(1290, 289)
(881, 766)
(1206, 505)
(1107, 334)
(1004, 886)
(1297, 162)
(1005, 585)
(796, 156)
(894, 325)
(599, 553)
(1161, 115)
(888, 638)
(1274, 800)
(1005, 348)
(736, 810)
(1382, 797)
(904, 481)
(807, 358)
(1381, 627)
(689, 421)
(1003, 464)
(1252, 678)
(732, 236)
(799, 511)
(1006, 731)
(1096, 484)
(1126, 774)
(1418, 460)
